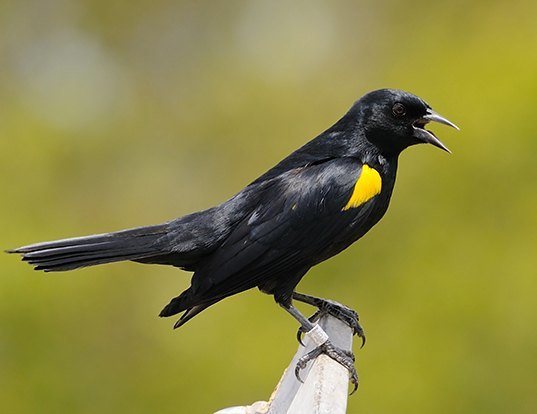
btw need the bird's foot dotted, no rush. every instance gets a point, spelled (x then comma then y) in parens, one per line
(338, 311)
(345, 358)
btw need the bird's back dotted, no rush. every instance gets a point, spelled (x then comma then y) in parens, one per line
(288, 224)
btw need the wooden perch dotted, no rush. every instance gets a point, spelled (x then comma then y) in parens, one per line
(325, 387)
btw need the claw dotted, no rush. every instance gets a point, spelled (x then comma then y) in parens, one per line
(363, 340)
(302, 362)
(299, 334)
(354, 382)
(298, 367)
(345, 358)
(313, 318)
(345, 314)
(359, 332)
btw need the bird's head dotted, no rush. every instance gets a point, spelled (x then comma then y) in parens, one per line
(393, 120)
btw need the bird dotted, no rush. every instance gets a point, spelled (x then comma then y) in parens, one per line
(309, 207)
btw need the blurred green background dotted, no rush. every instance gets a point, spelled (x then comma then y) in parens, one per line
(119, 114)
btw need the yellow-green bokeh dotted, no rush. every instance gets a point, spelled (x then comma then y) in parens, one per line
(118, 114)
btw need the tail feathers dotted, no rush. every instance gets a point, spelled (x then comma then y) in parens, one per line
(191, 312)
(68, 254)
(183, 302)
(178, 304)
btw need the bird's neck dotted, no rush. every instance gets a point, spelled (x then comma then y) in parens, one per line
(385, 162)
(385, 166)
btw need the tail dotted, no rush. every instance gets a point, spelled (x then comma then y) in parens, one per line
(69, 254)
(185, 303)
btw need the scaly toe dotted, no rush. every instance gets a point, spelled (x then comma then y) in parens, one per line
(354, 380)
(343, 357)
(344, 314)
(302, 362)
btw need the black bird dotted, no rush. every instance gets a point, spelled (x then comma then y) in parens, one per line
(309, 207)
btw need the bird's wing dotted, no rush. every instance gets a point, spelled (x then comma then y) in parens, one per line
(327, 146)
(296, 220)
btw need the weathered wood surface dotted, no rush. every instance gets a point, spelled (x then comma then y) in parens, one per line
(325, 388)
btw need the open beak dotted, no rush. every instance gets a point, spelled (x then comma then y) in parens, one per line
(427, 136)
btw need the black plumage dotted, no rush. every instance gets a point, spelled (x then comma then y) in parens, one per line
(274, 230)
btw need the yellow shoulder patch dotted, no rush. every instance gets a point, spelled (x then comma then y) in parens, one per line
(368, 186)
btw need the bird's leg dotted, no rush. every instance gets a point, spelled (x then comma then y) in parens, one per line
(330, 307)
(324, 346)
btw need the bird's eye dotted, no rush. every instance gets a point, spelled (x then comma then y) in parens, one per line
(399, 109)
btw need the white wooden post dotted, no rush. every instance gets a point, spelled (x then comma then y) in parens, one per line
(326, 382)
